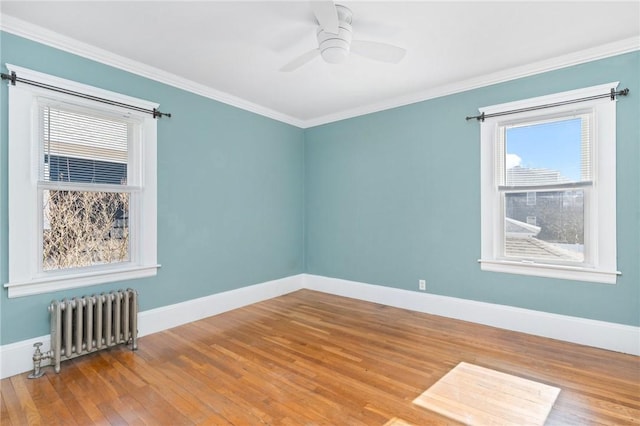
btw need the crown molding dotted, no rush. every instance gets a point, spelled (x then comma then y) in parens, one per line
(592, 54)
(56, 40)
(41, 35)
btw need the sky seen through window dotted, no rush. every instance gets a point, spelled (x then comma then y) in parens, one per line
(553, 146)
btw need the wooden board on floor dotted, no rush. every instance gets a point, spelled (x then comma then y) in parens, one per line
(480, 396)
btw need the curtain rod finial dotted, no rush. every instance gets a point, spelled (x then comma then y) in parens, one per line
(623, 92)
(158, 114)
(13, 77)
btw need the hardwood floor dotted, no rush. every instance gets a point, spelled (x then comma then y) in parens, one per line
(309, 358)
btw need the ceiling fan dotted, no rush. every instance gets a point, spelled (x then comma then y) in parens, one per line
(335, 39)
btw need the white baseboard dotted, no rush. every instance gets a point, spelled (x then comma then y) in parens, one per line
(155, 320)
(16, 358)
(599, 334)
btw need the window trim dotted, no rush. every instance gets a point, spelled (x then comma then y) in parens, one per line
(24, 276)
(601, 217)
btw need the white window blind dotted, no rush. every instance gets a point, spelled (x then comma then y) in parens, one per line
(81, 147)
(545, 174)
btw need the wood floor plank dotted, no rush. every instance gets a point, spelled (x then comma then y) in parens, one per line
(174, 396)
(31, 411)
(12, 411)
(66, 396)
(315, 359)
(87, 402)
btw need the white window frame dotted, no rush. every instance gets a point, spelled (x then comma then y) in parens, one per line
(25, 205)
(600, 212)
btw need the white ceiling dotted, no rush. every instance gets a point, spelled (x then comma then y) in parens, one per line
(237, 48)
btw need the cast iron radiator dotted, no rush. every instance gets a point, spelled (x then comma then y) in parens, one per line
(82, 325)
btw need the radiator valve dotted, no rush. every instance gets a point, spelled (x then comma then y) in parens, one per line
(38, 356)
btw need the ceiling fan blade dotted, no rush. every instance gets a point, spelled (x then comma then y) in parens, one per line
(301, 60)
(378, 51)
(326, 14)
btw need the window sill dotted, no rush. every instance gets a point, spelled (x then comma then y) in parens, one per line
(66, 282)
(550, 271)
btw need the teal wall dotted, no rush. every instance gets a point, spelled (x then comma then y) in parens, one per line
(386, 198)
(394, 197)
(230, 192)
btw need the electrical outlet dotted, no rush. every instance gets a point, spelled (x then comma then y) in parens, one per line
(422, 285)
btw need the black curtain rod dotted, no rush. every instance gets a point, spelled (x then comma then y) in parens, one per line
(612, 95)
(14, 78)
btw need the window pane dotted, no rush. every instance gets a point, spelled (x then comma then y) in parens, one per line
(83, 228)
(78, 147)
(550, 229)
(547, 153)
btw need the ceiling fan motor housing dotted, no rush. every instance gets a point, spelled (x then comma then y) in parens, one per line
(334, 48)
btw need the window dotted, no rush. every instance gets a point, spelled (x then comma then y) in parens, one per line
(83, 185)
(548, 184)
(82, 188)
(531, 197)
